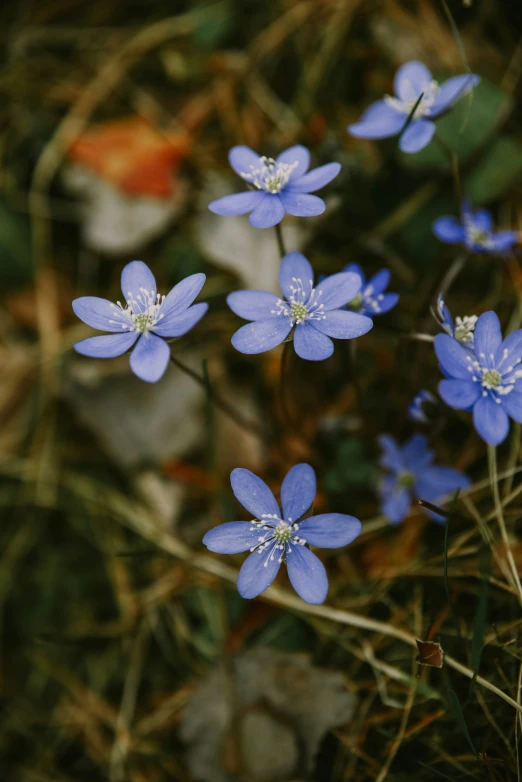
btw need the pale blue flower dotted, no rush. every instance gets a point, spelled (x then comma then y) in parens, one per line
(422, 406)
(372, 299)
(413, 476)
(416, 89)
(313, 315)
(474, 231)
(143, 322)
(273, 537)
(278, 186)
(487, 380)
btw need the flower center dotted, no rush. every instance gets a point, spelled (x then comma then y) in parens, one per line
(464, 328)
(406, 479)
(301, 305)
(299, 312)
(269, 175)
(283, 532)
(405, 105)
(491, 378)
(356, 302)
(141, 313)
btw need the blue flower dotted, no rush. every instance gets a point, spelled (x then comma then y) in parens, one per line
(461, 329)
(279, 186)
(422, 406)
(145, 319)
(314, 314)
(371, 299)
(412, 474)
(486, 381)
(273, 537)
(475, 231)
(389, 116)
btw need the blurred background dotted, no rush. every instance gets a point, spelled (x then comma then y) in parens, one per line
(126, 654)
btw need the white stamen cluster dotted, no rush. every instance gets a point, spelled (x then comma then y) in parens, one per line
(140, 314)
(496, 381)
(301, 305)
(464, 328)
(278, 537)
(269, 175)
(405, 106)
(367, 300)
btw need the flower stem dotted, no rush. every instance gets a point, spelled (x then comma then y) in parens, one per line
(285, 411)
(454, 165)
(280, 241)
(493, 479)
(217, 401)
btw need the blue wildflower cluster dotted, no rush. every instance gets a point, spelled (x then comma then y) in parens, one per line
(482, 372)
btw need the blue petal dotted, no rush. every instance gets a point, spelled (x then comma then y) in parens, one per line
(448, 229)
(269, 212)
(452, 356)
(237, 204)
(302, 204)
(253, 493)
(243, 159)
(150, 358)
(294, 266)
(395, 500)
(482, 220)
(315, 179)
(450, 91)
(490, 420)
(98, 313)
(262, 335)
(416, 455)
(343, 324)
(135, 277)
(181, 296)
(307, 575)
(387, 303)
(410, 80)
(487, 335)
(356, 269)
(299, 155)
(337, 290)
(310, 344)
(379, 282)
(179, 325)
(438, 482)
(460, 394)
(253, 305)
(233, 537)
(298, 492)
(417, 135)
(512, 404)
(391, 457)
(330, 530)
(258, 572)
(503, 241)
(513, 345)
(106, 347)
(378, 121)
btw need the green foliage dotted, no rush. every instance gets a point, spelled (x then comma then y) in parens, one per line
(15, 250)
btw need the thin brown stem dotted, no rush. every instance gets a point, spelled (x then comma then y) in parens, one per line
(283, 372)
(221, 404)
(280, 240)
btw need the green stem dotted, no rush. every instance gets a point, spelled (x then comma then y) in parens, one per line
(493, 479)
(217, 401)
